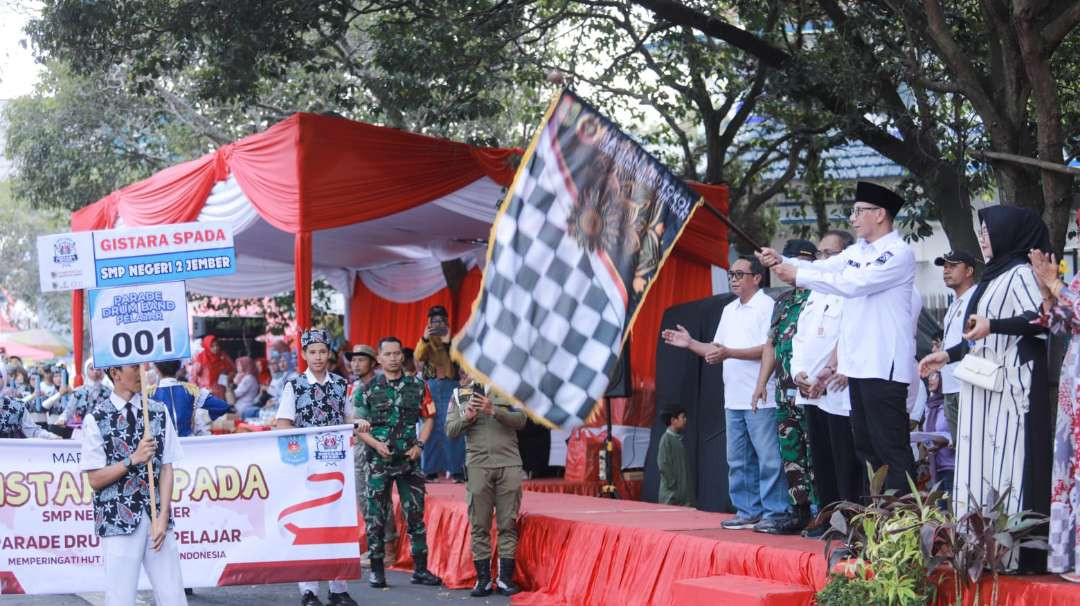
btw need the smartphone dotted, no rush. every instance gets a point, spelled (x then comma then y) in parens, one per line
(63, 376)
(440, 330)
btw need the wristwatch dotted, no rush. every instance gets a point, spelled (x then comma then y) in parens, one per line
(129, 464)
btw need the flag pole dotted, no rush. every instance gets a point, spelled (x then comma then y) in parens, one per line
(144, 382)
(735, 228)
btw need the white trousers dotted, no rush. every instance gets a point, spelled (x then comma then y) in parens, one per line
(126, 554)
(313, 587)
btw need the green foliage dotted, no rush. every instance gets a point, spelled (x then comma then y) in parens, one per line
(899, 542)
(842, 590)
(18, 257)
(79, 138)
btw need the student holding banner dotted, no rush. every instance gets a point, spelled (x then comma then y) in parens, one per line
(317, 399)
(115, 452)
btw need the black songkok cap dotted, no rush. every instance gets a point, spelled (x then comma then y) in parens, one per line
(800, 248)
(872, 193)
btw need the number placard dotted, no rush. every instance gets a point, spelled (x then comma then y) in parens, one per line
(133, 324)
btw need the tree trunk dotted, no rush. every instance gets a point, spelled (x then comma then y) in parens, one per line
(945, 186)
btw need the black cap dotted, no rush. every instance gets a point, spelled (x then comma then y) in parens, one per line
(872, 193)
(800, 248)
(437, 310)
(956, 256)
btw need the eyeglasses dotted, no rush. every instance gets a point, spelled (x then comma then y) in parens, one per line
(855, 210)
(825, 254)
(739, 275)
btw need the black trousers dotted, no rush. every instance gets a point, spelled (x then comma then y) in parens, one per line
(838, 475)
(879, 424)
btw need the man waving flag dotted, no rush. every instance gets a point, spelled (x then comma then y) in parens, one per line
(580, 237)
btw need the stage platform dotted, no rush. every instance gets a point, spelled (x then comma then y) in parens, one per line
(628, 489)
(585, 550)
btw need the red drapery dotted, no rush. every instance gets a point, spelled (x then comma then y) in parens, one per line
(307, 173)
(373, 317)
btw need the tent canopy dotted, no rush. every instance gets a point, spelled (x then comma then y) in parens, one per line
(322, 196)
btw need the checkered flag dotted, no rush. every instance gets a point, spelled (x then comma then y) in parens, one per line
(584, 229)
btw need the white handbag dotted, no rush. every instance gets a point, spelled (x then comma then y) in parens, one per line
(981, 372)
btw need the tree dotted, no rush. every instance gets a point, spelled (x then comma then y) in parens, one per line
(18, 255)
(991, 54)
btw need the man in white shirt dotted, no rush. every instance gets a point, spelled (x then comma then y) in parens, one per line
(958, 272)
(115, 452)
(876, 346)
(755, 473)
(823, 393)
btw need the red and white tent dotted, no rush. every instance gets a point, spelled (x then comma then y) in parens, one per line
(374, 211)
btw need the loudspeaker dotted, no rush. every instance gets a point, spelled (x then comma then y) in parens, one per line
(229, 327)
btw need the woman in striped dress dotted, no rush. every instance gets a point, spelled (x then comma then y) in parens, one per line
(994, 439)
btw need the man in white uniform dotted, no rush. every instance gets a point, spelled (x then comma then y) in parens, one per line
(876, 347)
(115, 453)
(958, 272)
(756, 480)
(824, 393)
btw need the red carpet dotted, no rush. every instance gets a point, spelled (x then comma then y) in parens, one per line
(584, 550)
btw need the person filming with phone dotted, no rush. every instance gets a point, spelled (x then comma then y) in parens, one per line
(441, 454)
(490, 424)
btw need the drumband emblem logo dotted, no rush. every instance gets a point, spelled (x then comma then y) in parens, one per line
(64, 252)
(293, 449)
(329, 447)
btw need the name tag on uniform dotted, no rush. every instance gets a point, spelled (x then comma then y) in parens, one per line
(853, 264)
(885, 256)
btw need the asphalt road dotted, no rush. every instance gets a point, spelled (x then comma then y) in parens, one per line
(400, 593)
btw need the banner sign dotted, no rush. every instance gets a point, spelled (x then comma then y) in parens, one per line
(583, 232)
(66, 261)
(252, 508)
(133, 324)
(137, 255)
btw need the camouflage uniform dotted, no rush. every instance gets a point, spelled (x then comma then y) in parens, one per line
(791, 420)
(393, 407)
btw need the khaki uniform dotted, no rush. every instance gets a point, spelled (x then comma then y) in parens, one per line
(494, 472)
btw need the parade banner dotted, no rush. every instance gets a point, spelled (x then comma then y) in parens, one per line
(136, 255)
(579, 239)
(134, 324)
(253, 508)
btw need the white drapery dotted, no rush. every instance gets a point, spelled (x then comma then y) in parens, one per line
(398, 257)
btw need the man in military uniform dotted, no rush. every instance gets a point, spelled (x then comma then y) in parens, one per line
(317, 399)
(393, 403)
(493, 463)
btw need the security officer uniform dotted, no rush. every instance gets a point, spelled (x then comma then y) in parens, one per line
(493, 464)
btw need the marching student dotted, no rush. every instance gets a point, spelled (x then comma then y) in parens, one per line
(316, 398)
(16, 422)
(185, 401)
(115, 452)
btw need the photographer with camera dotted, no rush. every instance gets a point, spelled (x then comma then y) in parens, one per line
(440, 453)
(490, 424)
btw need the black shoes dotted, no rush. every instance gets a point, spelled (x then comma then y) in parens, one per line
(505, 584)
(377, 575)
(310, 599)
(421, 575)
(792, 523)
(483, 587)
(342, 599)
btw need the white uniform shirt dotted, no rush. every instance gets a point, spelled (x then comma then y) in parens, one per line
(93, 444)
(875, 336)
(815, 338)
(954, 333)
(287, 402)
(742, 326)
(916, 389)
